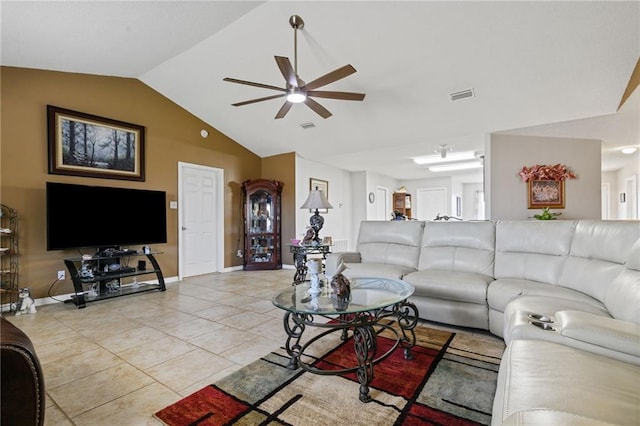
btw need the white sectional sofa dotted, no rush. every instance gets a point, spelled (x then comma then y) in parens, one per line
(564, 295)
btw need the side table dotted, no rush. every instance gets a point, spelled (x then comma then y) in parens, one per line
(300, 259)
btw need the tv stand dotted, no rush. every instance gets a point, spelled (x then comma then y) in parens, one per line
(96, 278)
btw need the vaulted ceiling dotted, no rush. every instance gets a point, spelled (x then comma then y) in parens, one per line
(547, 68)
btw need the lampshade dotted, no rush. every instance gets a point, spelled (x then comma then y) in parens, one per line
(316, 200)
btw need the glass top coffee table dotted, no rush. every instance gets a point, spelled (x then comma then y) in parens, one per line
(371, 300)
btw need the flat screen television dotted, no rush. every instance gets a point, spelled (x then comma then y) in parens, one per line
(81, 216)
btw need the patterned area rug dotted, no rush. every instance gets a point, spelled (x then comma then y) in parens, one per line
(451, 381)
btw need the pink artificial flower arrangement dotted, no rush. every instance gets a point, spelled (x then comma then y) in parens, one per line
(545, 172)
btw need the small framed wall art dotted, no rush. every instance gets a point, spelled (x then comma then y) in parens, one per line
(546, 193)
(87, 145)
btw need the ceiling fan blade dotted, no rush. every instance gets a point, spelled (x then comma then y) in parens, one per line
(287, 71)
(344, 96)
(251, 83)
(284, 110)
(253, 101)
(319, 109)
(334, 75)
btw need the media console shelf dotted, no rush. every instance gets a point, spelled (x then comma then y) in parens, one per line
(95, 277)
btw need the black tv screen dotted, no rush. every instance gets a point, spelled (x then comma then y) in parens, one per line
(97, 216)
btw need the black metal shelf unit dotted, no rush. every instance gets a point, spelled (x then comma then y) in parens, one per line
(9, 260)
(100, 277)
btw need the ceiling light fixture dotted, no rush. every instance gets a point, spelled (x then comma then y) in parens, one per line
(457, 166)
(451, 156)
(629, 150)
(296, 96)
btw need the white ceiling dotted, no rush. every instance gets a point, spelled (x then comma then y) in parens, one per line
(529, 63)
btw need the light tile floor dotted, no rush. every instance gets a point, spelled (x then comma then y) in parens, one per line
(117, 362)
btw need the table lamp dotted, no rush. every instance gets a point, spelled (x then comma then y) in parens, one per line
(316, 200)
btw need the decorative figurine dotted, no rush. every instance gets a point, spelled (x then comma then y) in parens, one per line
(341, 289)
(308, 237)
(313, 266)
(26, 304)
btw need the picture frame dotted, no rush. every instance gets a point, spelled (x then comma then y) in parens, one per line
(546, 193)
(87, 145)
(322, 185)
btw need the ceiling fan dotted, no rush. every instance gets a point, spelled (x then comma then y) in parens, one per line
(296, 90)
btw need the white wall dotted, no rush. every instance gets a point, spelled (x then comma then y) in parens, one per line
(631, 170)
(508, 194)
(359, 187)
(373, 182)
(337, 222)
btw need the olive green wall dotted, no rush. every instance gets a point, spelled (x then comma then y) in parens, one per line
(283, 168)
(172, 135)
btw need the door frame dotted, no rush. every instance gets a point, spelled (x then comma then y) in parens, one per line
(219, 207)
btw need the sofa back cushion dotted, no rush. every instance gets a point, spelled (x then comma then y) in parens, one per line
(532, 250)
(395, 242)
(459, 246)
(599, 250)
(622, 296)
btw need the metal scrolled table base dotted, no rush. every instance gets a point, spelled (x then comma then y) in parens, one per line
(364, 339)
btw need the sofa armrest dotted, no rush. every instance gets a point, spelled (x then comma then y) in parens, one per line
(618, 335)
(22, 391)
(335, 259)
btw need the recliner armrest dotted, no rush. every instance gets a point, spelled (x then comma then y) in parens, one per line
(334, 259)
(618, 335)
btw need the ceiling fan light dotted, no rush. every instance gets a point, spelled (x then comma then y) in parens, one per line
(296, 96)
(449, 157)
(456, 166)
(629, 150)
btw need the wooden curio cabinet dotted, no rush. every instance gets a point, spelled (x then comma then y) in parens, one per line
(402, 204)
(262, 242)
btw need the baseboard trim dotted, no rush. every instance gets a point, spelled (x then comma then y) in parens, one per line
(62, 298)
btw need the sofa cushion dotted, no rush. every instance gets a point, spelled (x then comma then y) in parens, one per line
(536, 374)
(448, 285)
(605, 240)
(598, 252)
(391, 242)
(503, 291)
(622, 297)
(532, 250)
(379, 270)
(458, 246)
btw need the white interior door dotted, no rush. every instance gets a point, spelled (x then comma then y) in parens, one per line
(631, 191)
(382, 204)
(431, 202)
(200, 223)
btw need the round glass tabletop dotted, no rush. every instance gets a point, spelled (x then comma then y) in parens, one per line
(367, 294)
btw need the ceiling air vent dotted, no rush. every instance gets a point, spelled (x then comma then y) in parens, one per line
(308, 125)
(462, 94)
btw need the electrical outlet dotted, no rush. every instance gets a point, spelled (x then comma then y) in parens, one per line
(61, 275)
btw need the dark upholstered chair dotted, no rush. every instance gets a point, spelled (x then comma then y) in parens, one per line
(22, 394)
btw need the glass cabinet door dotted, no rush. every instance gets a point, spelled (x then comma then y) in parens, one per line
(262, 224)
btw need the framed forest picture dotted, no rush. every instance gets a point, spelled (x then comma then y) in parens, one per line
(87, 145)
